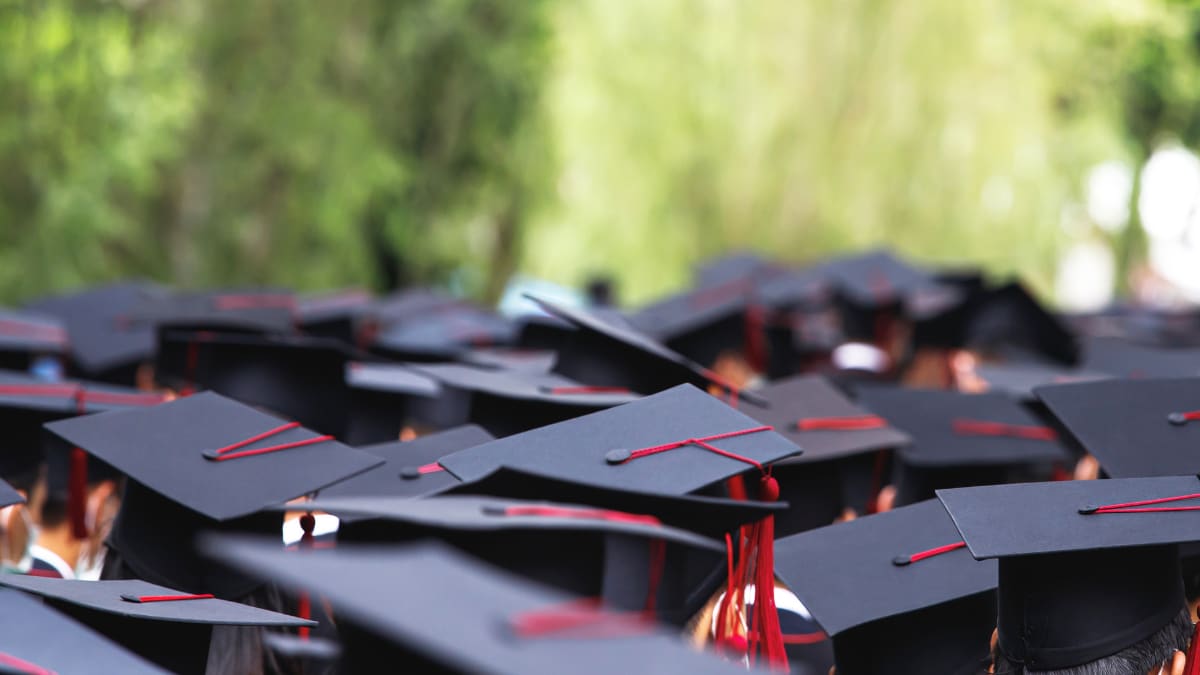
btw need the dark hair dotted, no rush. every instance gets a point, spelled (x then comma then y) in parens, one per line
(1138, 659)
(232, 649)
(54, 512)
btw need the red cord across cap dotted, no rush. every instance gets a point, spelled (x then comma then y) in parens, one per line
(22, 666)
(965, 427)
(414, 472)
(901, 561)
(165, 598)
(620, 456)
(1181, 418)
(585, 390)
(80, 394)
(1141, 506)
(580, 618)
(568, 512)
(226, 453)
(849, 423)
(34, 331)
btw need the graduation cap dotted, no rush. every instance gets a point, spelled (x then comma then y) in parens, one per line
(1134, 427)
(1009, 317)
(25, 336)
(1019, 380)
(1091, 569)
(656, 444)
(34, 639)
(300, 378)
(738, 265)
(9, 496)
(897, 591)
(462, 616)
(961, 439)
(842, 464)
(258, 310)
(386, 397)
(506, 401)
(104, 344)
(408, 304)
(1125, 359)
(631, 560)
(509, 358)
(333, 315)
(443, 334)
(203, 462)
(163, 625)
(401, 473)
(601, 353)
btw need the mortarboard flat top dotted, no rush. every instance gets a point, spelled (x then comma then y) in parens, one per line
(1010, 317)
(803, 401)
(9, 496)
(694, 310)
(590, 449)
(807, 288)
(464, 513)
(1126, 359)
(22, 331)
(262, 310)
(391, 378)
(453, 602)
(547, 388)
(121, 598)
(526, 360)
(164, 448)
(100, 339)
(708, 516)
(37, 639)
(951, 429)
(846, 574)
(999, 521)
(1127, 424)
(445, 333)
(676, 368)
(878, 278)
(69, 397)
(738, 265)
(336, 305)
(1020, 379)
(400, 474)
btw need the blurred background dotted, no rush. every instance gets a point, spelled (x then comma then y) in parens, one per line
(380, 143)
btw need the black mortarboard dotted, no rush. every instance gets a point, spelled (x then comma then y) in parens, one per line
(897, 591)
(1126, 359)
(37, 639)
(506, 401)
(165, 626)
(443, 334)
(601, 353)
(711, 517)
(9, 496)
(254, 310)
(25, 336)
(300, 378)
(1018, 380)
(841, 466)
(177, 488)
(503, 358)
(961, 439)
(400, 474)
(610, 448)
(462, 616)
(1087, 568)
(594, 552)
(1134, 427)
(1009, 317)
(105, 345)
(385, 398)
(738, 265)
(408, 304)
(332, 315)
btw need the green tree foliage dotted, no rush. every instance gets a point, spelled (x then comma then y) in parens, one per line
(371, 142)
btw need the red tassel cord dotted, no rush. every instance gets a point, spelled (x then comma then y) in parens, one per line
(77, 481)
(1144, 506)
(227, 452)
(17, 665)
(754, 342)
(965, 427)
(1193, 654)
(166, 598)
(308, 523)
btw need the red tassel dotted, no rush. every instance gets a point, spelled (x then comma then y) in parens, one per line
(1193, 654)
(308, 523)
(766, 616)
(77, 494)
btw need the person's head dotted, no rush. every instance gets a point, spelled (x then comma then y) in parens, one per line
(1152, 655)
(18, 528)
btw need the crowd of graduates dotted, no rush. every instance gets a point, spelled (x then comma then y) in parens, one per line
(863, 466)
